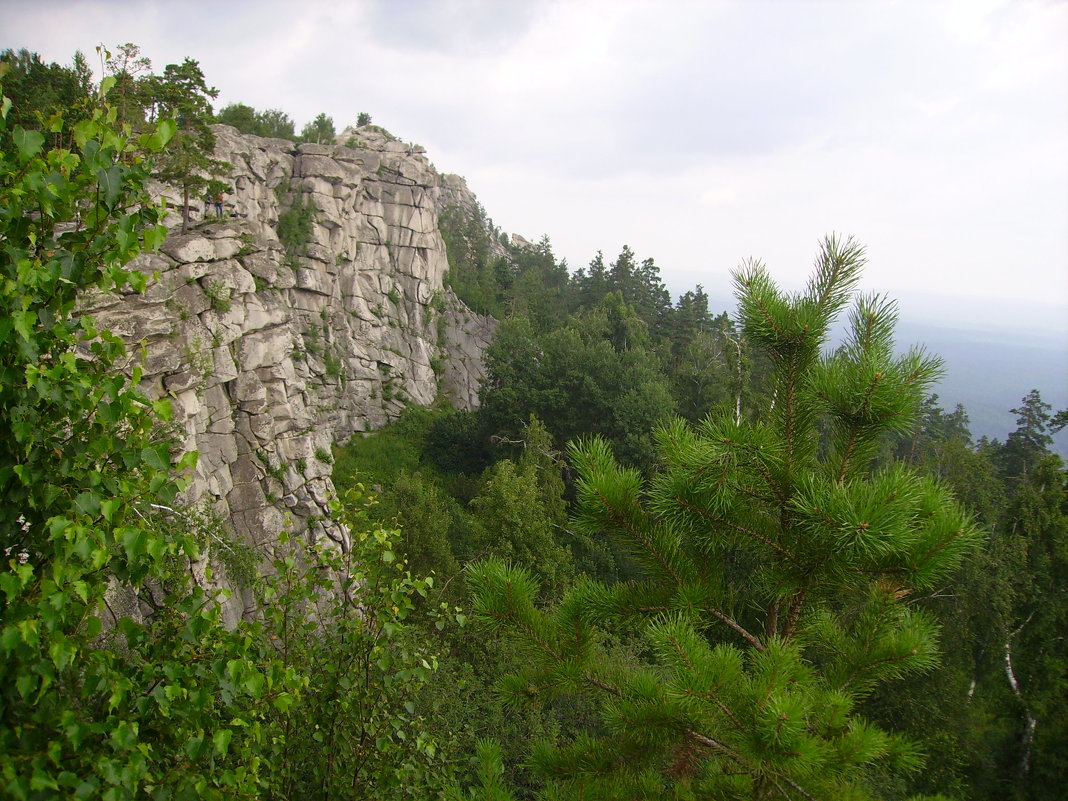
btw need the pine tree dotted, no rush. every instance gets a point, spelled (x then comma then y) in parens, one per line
(182, 94)
(131, 71)
(1031, 439)
(1032, 557)
(777, 567)
(592, 283)
(274, 122)
(239, 115)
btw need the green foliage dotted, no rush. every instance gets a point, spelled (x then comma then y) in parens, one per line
(472, 273)
(437, 301)
(1032, 548)
(706, 361)
(344, 621)
(490, 775)
(380, 457)
(238, 562)
(320, 130)
(239, 116)
(131, 71)
(639, 284)
(773, 571)
(751, 635)
(410, 493)
(156, 698)
(295, 226)
(456, 442)
(514, 524)
(593, 376)
(181, 94)
(363, 118)
(219, 295)
(271, 122)
(99, 706)
(536, 285)
(430, 521)
(1031, 439)
(38, 91)
(274, 122)
(992, 737)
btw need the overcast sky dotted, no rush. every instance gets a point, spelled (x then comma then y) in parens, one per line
(699, 133)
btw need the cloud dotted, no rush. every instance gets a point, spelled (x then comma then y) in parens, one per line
(698, 132)
(464, 27)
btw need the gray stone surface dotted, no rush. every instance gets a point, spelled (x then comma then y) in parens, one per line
(266, 362)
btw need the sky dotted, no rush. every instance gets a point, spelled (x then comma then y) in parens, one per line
(698, 133)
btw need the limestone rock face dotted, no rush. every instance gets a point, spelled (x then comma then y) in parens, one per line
(271, 351)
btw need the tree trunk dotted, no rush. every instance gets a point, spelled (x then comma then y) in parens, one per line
(1032, 722)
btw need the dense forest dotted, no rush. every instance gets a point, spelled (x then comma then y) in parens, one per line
(675, 553)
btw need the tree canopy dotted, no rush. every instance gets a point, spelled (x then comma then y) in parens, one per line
(775, 563)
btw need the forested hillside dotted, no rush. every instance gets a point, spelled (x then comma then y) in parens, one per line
(674, 553)
(579, 359)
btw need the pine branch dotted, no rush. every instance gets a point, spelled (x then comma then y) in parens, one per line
(711, 696)
(730, 753)
(872, 663)
(795, 611)
(796, 786)
(620, 518)
(525, 629)
(712, 743)
(749, 638)
(602, 685)
(736, 527)
(771, 622)
(780, 494)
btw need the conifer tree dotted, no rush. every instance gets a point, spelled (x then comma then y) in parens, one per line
(182, 94)
(131, 72)
(777, 567)
(38, 90)
(1031, 440)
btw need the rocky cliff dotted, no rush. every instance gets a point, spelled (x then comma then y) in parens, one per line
(313, 308)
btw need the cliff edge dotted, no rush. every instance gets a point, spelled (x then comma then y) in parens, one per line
(313, 308)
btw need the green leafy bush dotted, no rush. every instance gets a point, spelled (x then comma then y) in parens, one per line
(295, 226)
(344, 620)
(118, 678)
(100, 700)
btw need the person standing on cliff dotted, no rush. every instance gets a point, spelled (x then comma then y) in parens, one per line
(218, 204)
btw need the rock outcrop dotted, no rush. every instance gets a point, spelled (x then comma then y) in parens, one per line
(275, 339)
